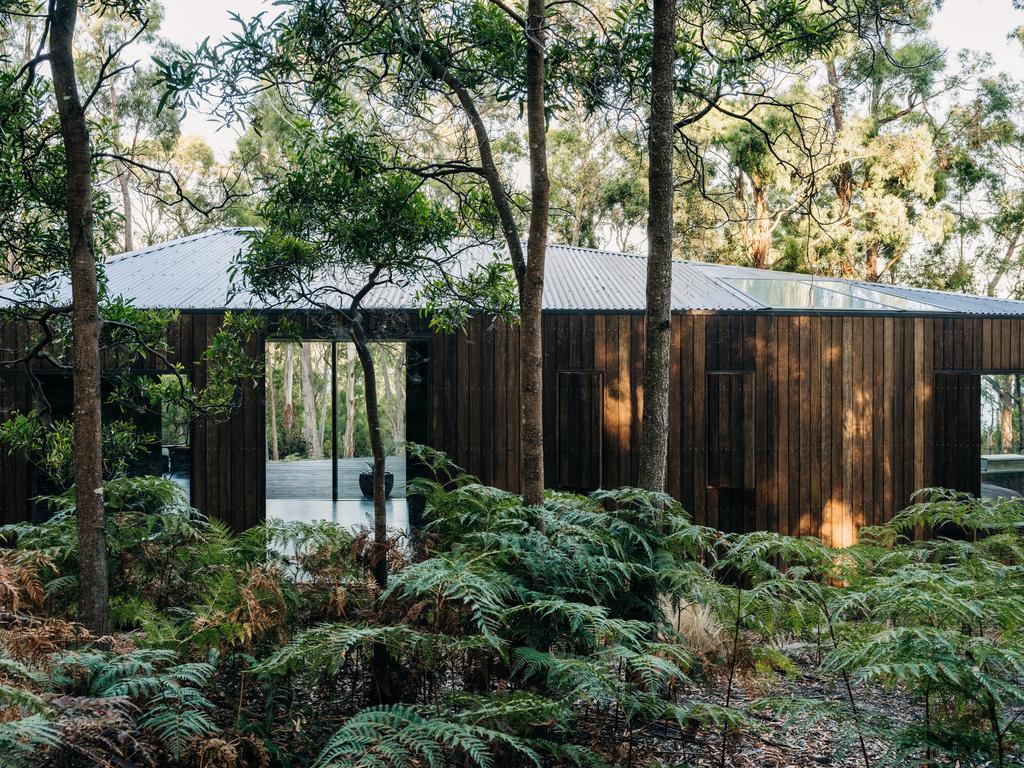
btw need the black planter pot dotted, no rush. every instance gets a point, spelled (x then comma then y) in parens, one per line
(366, 484)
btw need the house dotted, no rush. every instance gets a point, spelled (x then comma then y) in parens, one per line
(804, 405)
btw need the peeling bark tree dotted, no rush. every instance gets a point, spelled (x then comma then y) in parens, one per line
(349, 440)
(325, 397)
(93, 608)
(275, 453)
(394, 391)
(658, 317)
(310, 430)
(289, 387)
(844, 178)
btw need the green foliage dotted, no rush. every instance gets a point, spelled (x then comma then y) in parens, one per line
(518, 636)
(51, 447)
(399, 736)
(326, 244)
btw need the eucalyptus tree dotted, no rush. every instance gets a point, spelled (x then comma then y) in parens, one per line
(55, 47)
(56, 220)
(425, 67)
(660, 216)
(681, 62)
(883, 86)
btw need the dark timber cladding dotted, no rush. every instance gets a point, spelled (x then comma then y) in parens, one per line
(228, 481)
(806, 424)
(801, 404)
(811, 424)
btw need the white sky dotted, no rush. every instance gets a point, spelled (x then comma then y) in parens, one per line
(187, 23)
(981, 25)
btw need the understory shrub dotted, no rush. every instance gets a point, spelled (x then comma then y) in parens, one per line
(600, 629)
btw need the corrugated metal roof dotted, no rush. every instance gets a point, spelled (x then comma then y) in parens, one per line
(193, 273)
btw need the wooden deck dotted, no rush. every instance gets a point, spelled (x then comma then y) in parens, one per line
(308, 479)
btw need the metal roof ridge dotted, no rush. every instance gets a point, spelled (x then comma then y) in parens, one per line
(170, 243)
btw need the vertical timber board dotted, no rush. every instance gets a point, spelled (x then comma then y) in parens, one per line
(700, 423)
(13, 469)
(784, 378)
(795, 482)
(879, 444)
(852, 397)
(684, 393)
(488, 403)
(437, 360)
(601, 354)
(771, 363)
(554, 341)
(636, 348)
(463, 396)
(806, 511)
(513, 416)
(760, 393)
(578, 439)
(452, 401)
(814, 437)
(200, 431)
(614, 392)
(474, 394)
(890, 445)
(674, 469)
(499, 377)
(626, 415)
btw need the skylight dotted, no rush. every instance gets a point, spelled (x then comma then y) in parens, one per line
(824, 293)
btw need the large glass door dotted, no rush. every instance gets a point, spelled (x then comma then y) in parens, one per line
(318, 439)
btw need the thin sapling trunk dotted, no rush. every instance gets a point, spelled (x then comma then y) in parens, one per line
(379, 556)
(380, 519)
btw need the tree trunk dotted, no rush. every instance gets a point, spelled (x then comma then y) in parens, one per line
(349, 438)
(122, 178)
(126, 202)
(1004, 264)
(761, 240)
(529, 270)
(844, 178)
(658, 315)
(383, 674)
(531, 289)
(872, 262)
(310, 430)
(93, 603)
(275, 454)
(325, 397)
(1006, 417)
(289, 386)
(394, 391)
(380, 520)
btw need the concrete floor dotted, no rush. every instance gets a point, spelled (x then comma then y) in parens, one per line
(352, 513)
(301, 491)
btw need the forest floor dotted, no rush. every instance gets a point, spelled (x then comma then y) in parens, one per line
(796, 740)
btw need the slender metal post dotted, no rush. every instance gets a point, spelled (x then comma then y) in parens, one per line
(334, 420)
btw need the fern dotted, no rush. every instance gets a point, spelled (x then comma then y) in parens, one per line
(391, 737)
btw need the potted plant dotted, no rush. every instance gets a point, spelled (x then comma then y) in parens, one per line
(366, 482)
